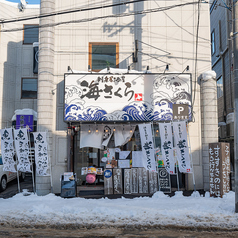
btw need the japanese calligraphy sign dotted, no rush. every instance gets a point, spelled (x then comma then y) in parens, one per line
(125, 97)
(167, 146)
(147, 145)
(7, 150)
(219, 168)
(164, 180)
(24, 121)
(181, 145)
(41, 153)
(22, 149)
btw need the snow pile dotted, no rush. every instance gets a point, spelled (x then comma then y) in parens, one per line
(159, 210)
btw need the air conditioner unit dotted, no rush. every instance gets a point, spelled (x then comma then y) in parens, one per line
(230, 129)
(222, 131)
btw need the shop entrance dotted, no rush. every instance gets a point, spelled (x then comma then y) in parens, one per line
(90, 163)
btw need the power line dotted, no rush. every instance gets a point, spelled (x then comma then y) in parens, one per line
(69, 11)
(167, 53)
(154, 57)
(104, 17)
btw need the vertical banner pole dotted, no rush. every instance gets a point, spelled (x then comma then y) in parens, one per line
(18, 181)
(156, 164)
(177, 174)
(49, 160)
(176, 164)
(191, 157)
(32, 167)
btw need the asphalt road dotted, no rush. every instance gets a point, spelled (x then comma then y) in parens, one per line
(113, 232)
(12, 187)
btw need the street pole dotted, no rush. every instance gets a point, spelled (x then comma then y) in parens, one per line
(235, 77)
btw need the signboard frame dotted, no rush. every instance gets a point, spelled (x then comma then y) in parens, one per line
(159, 93)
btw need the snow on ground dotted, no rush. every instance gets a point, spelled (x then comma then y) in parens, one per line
(51, 210)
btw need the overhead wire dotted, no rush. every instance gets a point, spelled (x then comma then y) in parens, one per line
(104, 17)
(68, 12)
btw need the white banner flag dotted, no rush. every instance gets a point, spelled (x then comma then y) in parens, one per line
(41, 153)
(22, 150)
(167, 146)
(7, 150)
(181, 144)
(147, 145)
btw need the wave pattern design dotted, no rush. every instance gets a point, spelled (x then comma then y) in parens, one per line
(134, 112)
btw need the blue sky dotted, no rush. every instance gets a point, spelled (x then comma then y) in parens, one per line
(29, 1)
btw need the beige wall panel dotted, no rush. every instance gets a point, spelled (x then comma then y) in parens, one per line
(65, 42)
(61, 63)
(174, 18)
(188, 19)
(158, 19)
(95, 34)
(80, 41)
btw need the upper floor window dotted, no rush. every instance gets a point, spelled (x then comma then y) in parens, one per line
(29, 88)
(103, 55)
(31, 34)
(213, 42)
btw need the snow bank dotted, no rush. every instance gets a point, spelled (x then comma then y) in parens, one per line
(51, 210)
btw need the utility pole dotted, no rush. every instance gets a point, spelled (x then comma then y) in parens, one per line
(235, 78)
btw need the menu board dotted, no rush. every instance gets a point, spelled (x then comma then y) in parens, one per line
(134, 188)
(124, 163)
(164, 180)
(117, 181)
(143, 180)
(127, 181)
(153, 182)
(219, 168)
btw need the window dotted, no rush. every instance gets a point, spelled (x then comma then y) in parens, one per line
(29, 88)
(102, 55)
(220, 87)
(31, 34)
(213, 42)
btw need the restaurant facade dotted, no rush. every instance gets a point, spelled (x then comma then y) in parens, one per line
(111, 77)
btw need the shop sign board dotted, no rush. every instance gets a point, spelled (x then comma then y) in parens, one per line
(153, 183)
(180, 112)
(125, 97)
(143, 180)
(219, 168)
(164, 180)
(117, 181)
(134, 188)
(127, 181)
(22, 121)
(108, 186)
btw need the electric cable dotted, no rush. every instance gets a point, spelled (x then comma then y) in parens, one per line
(103, 17)
(68, 12)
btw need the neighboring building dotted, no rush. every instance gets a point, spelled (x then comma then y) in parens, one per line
(221, 50)
(161, 35)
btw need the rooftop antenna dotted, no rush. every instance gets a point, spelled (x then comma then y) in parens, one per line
(22, 5)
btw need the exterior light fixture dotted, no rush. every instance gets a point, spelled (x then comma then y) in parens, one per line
(89, 131)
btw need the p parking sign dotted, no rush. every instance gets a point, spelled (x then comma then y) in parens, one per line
(180, 111)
